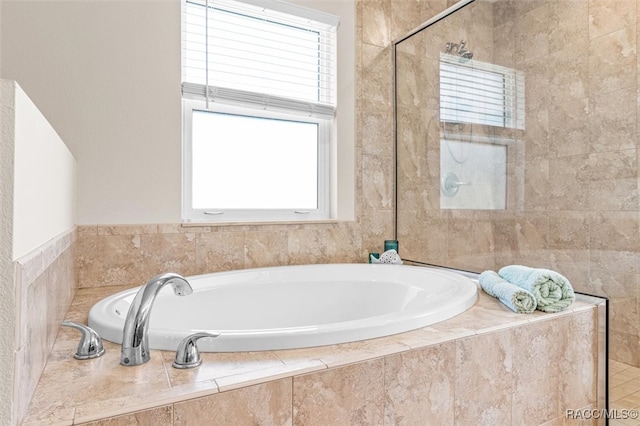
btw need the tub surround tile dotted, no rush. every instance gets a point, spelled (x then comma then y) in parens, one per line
(220, 251)
(577, 361)
(267, 248)
(536, 350)
(146, 399)
(156, 416)
(61, 395)
(484, 362)
(110, 260)
(411, 396)
(44, 284)
(346, 395)
(264, 404)
(127, 229)
(163, 253)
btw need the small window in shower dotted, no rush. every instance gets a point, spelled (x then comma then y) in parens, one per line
(480, 93)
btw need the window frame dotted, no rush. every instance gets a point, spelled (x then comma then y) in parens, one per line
(214, 215)
(209, 97)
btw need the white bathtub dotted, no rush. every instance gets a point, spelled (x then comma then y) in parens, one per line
(294, 306)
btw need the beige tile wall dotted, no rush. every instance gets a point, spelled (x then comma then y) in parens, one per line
(573, 175)
(529, 374)
(45, 286)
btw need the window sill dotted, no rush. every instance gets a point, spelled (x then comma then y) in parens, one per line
(271, 223)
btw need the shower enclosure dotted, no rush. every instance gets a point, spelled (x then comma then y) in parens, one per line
(516, 143)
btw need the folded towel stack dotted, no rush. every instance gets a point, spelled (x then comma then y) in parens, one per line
(552, 291)
(515, 298)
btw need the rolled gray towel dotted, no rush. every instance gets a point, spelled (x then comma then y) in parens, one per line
(515, 298)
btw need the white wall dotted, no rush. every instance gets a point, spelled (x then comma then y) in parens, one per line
(106, 74)
(37, 182)
(44, 180)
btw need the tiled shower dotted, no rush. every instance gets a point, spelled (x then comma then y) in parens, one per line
(572, 170)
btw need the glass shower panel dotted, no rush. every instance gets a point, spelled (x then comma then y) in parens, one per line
(460, 122)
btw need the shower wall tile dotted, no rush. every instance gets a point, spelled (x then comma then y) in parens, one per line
(616, 231)
(376, 129)
(614, 284)
(532, 39)
(568, 25)
(568, 230)
(376, 22)
(611, 165)
(536, 184)
(612, 62)
(624, 314)
(376, 73)
(537, 138)
(569, 190)
(614, 194)
(569, 74)
(504, 41)
(624, 347)
(569, 131)
(346, 395)
(470, 236)
(607, 16)
(379, 226)
(377, 173)
(612, 120)
(402, 16)
(536, 84)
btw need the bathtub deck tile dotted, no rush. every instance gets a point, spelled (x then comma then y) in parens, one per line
(429, 336)
(348, 353)
(250, 378)
(218, 365)
(146, 399)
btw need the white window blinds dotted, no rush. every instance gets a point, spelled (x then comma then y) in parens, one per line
(478, 92)
(267, 54)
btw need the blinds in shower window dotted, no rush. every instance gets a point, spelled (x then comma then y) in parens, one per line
(481, 93)
(263, 53)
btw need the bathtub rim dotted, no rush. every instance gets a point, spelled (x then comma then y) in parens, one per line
(304, 336)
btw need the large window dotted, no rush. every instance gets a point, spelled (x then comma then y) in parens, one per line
(259, 98)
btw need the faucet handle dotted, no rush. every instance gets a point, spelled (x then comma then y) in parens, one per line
(187, 354)
(90, 345)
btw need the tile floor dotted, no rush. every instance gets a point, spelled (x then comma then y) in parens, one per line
(624, 392)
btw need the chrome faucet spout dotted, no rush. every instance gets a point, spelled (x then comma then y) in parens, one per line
(135, 339)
